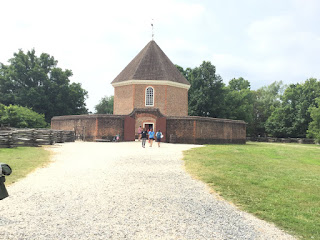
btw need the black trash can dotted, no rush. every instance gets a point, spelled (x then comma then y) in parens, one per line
(4, 170)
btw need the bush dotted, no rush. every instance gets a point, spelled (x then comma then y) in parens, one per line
(21, 117)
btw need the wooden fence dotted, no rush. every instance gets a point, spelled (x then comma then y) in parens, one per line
(33, 137)
(282, 140)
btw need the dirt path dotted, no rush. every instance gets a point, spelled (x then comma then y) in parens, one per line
(121, 191)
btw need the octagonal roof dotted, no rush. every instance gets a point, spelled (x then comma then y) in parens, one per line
(151, 63)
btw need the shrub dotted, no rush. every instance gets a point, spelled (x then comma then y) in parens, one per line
(21, 117)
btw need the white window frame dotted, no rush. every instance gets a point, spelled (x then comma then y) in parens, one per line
(146, 97)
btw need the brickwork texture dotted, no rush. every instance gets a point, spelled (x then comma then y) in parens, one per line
(171, 101)
(195, 130)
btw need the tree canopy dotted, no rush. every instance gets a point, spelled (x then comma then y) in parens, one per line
(239, 101)
(292, 117)
(274, 110)
(267, 99)
(37, 83)
(105, 106)
(205, 91)
(314, 125)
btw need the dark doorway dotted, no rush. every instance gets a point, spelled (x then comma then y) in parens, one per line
(148, 126)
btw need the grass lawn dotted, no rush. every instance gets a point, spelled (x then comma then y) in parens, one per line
(277, 182)
(23, 160)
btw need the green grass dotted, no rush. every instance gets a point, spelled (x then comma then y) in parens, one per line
(23, 160)
(279, 183)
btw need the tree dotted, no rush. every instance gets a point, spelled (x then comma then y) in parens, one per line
(21, 117)
(37, 83)
(267, 99)
(105, 106)
(206, 91)
(239, 100)
(238, 84)
(292, 117)
(314, 125)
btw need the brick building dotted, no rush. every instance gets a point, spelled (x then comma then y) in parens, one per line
(151, 92)
(150, 81)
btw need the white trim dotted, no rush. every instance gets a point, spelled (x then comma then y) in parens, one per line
(145, 97)
(151, 82)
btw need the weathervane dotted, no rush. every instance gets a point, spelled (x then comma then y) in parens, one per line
(152, 29)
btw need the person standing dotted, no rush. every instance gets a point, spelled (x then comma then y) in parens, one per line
(159, 136)
(144, 137)
(139, 133)
(151, 136)
(148, 132)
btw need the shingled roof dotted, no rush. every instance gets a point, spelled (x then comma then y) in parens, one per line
(151, 63)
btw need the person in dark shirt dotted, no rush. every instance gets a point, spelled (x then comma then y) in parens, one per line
(144, 137)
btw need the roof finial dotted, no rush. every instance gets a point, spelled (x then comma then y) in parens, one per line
(152, 29)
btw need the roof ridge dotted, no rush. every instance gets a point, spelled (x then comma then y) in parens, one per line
(163, 63)
(143, 57)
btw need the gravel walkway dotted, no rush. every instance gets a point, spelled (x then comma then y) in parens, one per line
(121, 191)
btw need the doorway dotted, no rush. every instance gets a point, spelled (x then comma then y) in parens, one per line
(148, 126)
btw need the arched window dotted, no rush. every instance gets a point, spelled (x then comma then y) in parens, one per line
(149, 96)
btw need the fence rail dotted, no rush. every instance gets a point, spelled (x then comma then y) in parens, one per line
(282, 140)
(33, 137)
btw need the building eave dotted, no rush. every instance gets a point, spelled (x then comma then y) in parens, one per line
(151, 82)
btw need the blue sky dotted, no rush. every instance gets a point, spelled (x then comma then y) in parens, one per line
(263, 41)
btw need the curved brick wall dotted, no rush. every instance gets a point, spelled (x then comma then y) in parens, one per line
(196, 130)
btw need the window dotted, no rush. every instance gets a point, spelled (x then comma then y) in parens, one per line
(149, 96)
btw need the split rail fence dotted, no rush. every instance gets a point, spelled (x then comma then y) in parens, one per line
(282, 140)
(33, 137)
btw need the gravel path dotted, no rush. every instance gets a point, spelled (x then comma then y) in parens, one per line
(121, 191)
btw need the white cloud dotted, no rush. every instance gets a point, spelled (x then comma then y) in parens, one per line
(97, 39)
(276, 50)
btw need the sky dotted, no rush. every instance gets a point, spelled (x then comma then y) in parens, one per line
(262, 41)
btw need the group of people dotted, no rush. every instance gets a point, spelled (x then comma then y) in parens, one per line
(151, 135)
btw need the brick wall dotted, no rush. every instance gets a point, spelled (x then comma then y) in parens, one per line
(123, 100)
(109, 126)
(200, 130)
(97, 126)
(197, 130)
(142, 118)
(159, 96)
(177, 99)
(172, 101)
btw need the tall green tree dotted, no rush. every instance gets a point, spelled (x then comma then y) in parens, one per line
(292, 117)
(105, 106)
(37, 83)
(239, 102)
(314, 125)
(206, 91)
(267, 99)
